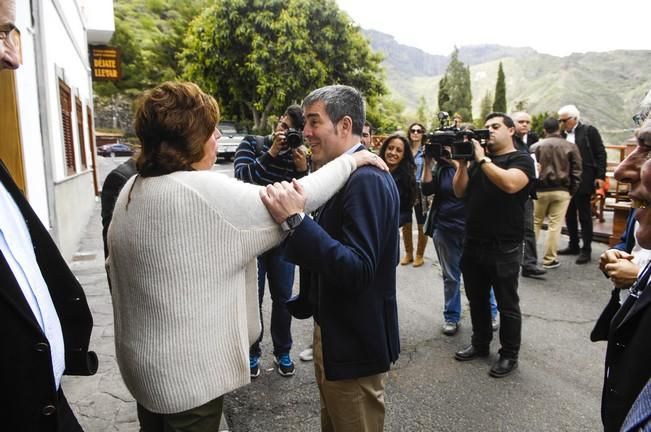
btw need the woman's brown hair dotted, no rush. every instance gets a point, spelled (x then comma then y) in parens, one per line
(173, 122)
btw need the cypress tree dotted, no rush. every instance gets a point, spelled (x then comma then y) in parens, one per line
(444, 96)
(499, 105)
(455, 95)
(485, 107)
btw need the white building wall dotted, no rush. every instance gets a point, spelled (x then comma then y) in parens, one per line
(28, 113)
(64, 203)
(66, 59)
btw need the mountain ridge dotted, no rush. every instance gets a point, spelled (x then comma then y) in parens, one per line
(607, 87)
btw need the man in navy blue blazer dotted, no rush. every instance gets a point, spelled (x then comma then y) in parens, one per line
(347, 256)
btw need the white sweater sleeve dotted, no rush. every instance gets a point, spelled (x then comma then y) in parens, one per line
(321, 185)
(240, 206)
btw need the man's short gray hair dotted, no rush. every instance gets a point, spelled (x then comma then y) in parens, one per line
(516, 115)
(340, 101)
(571, 111)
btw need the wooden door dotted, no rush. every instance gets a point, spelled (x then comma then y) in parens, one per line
(11, 151)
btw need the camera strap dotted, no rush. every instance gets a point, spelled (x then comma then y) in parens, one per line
(259, 144)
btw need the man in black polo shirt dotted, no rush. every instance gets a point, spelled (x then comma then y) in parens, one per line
(495, 188)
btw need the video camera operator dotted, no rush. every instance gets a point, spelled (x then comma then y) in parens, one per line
(445, 224)
(264, 160)
(495, 189)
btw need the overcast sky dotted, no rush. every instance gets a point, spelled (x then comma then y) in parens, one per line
(558, 27)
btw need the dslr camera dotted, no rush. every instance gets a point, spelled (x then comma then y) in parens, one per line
(458, 141)
(293, 138)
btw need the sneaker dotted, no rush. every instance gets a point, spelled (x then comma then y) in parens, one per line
(495, 325)
(254, 364)
(552, 265)
(285, 365)
(307, 355)
(450, 328)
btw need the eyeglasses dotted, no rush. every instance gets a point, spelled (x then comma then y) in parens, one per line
(564, 120)
(416, 131)
(5, 33)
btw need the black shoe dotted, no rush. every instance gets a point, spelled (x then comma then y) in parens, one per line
(534, 272)
(569, 251)
(583, 258)
(503, 367)
(470, 352)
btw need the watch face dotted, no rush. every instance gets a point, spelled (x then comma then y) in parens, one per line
(294, 220)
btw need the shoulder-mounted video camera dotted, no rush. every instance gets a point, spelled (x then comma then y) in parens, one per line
(451, 142)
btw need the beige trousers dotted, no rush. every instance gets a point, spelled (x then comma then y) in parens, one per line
(553, 205)
(352, 405)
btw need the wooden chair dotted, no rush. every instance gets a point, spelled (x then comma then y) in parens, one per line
(598, 201)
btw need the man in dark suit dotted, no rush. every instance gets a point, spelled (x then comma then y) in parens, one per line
(593, 155)
(348, 256)
(626, 327)
(111, 188)
(524, 139)
(45, 323)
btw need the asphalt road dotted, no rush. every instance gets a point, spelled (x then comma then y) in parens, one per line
(556, 388)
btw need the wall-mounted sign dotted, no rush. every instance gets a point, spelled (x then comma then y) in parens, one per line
(105, 63)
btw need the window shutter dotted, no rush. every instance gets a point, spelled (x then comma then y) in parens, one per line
(66, 122)
(80, 129)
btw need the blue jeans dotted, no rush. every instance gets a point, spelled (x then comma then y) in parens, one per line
(280, 274)
(449, 247)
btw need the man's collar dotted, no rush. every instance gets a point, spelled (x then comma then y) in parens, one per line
(355, 148)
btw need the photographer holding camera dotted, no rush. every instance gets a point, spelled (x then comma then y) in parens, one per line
(495, 190)
(264, 160)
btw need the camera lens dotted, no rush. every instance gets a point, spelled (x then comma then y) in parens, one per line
(293, 138)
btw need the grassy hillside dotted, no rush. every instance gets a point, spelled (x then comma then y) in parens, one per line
(606, 87)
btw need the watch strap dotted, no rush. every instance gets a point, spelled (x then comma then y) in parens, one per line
(292, 222)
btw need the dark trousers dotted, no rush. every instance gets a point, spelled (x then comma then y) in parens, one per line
(420, 209)
(204, 418)
(580, 204)
(530, 255)
(496, 264)
(280, 274)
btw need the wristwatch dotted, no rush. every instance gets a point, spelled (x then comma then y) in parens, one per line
(484, 160)
(292, 222)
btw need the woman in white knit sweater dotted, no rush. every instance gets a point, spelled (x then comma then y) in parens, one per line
(182, 248)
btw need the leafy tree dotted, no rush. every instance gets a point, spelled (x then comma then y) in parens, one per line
(259, 56)
(385, 114)
(537, 122)
(421, 112)
(499, 105)
(149, 35)
(486, 106)
(455, 95)
(521, 105)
